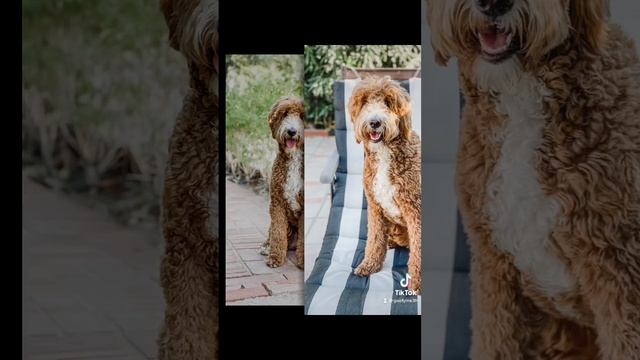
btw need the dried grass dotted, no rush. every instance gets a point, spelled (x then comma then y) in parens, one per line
(101, 90)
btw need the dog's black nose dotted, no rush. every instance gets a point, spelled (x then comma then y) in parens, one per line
(292, 132)
(374, 124)
(494, 8)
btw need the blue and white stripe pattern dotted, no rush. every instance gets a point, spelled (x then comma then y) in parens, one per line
(332, 288)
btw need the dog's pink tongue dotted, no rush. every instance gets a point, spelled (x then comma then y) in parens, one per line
(291, 143)
(494, 39)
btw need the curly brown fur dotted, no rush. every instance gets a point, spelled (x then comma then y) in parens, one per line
(581, 94)
(189, 269)
(287, 188)
(380, 110)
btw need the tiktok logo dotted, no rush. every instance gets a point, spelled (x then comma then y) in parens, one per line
(406, 282)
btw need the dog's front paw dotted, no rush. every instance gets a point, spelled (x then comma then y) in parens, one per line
(367, 268)
(275, 261)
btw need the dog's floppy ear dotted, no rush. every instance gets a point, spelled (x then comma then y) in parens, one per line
(435, 19)
(399, 101)
(356, 102)
(589, 19)
(276, 114)
(193, 29)
(171, 17)
(405, 126)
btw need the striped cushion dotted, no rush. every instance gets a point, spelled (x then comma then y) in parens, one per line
(332, 288)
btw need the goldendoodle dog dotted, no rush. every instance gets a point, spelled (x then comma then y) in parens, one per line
(189, 269)
(380, 110)
(548, 175)
(286, 231)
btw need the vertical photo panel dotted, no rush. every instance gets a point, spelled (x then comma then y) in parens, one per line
(264, 180)
(362, 181)
(531, 236)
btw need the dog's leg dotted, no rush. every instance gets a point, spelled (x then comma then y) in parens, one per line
(189, 268)
(376, 248)
(414, 223)
(278, 236)
(300, 245)
(411, 212)
(559, 339)
(610, 280)
(498, 326)
(190, 326)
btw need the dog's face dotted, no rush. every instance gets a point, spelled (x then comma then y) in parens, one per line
(193, 30)
(496, 30)
(380, 110)
(286, 120)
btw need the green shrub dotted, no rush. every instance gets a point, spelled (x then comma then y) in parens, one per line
(322, 64)
(101, 90)
(254, 84)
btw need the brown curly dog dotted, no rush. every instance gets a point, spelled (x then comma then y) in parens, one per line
(380, 110)
(548, 175)
(189, 269)
(286, 231)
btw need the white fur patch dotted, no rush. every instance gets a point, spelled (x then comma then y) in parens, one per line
(495, 78)
(294, 179)
(383, 189)
(291, 122)
(522, 216)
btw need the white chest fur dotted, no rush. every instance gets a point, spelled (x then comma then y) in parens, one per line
(522, 216)
(293, 185)
(383, 190)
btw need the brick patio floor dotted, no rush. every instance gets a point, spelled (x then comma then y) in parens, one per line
(249, 281)
(90, 286)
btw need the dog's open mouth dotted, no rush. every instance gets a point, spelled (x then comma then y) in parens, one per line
(375, 136)
(291, 143)
(496, 43)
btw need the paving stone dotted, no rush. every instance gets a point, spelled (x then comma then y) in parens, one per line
(79, 269)
(247, 229)
(250, 255)
(100, 345)
(246, 293)
(144, 341)
(277, 289)
(259, 267)
(253, 281)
